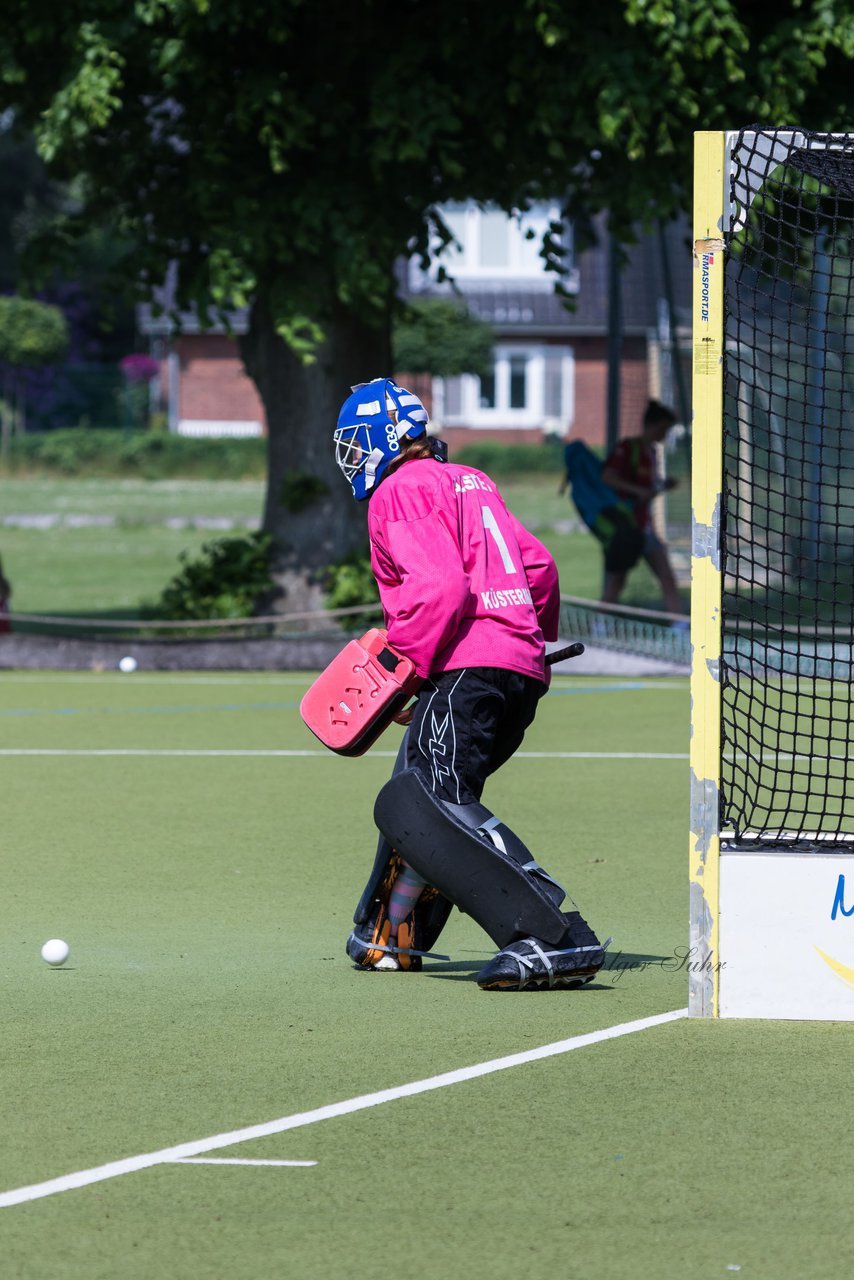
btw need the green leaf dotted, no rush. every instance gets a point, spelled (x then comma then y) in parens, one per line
(439, 336)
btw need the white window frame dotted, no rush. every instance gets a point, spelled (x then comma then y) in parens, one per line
(533, 416)
(461, 258)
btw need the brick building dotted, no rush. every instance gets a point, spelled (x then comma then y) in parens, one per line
(550, 373)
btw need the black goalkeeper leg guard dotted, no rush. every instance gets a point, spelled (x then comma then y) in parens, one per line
(370, 944)
(484, 869)
(472, 859)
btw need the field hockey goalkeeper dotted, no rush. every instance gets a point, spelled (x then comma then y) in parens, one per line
(470, 597)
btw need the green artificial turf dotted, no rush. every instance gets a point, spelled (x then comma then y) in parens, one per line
(207, 898)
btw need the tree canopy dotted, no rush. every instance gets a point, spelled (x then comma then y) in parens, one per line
(286, 153)
(298, 148)
(440, 336)
(31, 333)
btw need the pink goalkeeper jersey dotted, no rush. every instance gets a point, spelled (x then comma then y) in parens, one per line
(462, 582)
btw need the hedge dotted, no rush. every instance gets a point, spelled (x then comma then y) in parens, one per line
(151, 455)
(499, 460)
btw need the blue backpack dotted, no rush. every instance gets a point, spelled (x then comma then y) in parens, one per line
(608, 517)
(589, 492)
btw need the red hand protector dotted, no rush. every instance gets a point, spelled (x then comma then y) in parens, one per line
(359, 694)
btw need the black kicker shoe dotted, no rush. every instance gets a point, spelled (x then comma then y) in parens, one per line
(529, 964)
(369, 946)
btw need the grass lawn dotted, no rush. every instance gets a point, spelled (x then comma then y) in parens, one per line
(133, 501)
(98, 571)
(75, 568)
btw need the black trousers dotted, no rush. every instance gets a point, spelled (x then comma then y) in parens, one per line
(466, 724)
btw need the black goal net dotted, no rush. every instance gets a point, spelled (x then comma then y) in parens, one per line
(788, 491)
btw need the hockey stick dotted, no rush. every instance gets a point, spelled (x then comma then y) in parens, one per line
(570, 651)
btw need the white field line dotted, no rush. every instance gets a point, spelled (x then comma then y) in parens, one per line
(166, 751)
(151, 678)
(289, 1164)
(303, 680)
(601, 755)
(187, 1150)
(275, 753)
(322, 755)
(624, 684)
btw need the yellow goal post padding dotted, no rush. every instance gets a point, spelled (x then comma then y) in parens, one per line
(710, 168)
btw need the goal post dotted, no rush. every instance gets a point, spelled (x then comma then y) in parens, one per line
(772, 600)
(706, 483)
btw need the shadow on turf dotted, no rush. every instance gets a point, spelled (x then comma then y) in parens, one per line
(622, 963)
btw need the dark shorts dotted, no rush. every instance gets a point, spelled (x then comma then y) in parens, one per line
(621, 538)
(466, 724)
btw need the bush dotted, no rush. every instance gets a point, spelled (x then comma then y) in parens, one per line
(66, 452)
(503, 460)
(441, 336)
(31, 333)
(150, 455)
(349, 582)
(224, 580)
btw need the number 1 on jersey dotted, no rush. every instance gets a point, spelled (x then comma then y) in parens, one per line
(491, 526)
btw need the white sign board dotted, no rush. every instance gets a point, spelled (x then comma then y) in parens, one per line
(787, 936)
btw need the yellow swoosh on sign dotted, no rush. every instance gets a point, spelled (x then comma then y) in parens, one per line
(841, 970)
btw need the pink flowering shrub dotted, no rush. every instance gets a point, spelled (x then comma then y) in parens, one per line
(139, 367)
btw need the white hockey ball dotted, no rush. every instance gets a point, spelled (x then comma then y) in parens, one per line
(127, 665)
(55, 951)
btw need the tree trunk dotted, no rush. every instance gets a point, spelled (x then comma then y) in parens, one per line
(20, 404)
(7, 411)
(309, 508)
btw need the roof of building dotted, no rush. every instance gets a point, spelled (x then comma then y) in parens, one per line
(529, 307)
(161, 318)
(532, 309)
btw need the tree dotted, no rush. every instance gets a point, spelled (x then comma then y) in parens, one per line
(101, 323)
(285, 154)
(26, 196)
(32, 334)
(439, 336)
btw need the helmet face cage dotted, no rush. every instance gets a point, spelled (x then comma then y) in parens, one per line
(371, 425)
(350, 451)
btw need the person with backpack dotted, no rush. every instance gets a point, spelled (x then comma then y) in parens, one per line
(613, 499)
(610, 519)
(631, 470)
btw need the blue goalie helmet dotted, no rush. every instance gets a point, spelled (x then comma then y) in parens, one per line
(371, 424)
